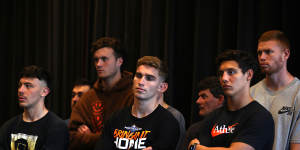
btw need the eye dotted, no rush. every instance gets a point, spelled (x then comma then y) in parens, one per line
(204, 96)
(138, 75)
(73, 94)
(268, 52)
(27, 85)
(96, 59)
(104, 59)
(259, 53)
(79, 94)
(150, 78)
(231, 72)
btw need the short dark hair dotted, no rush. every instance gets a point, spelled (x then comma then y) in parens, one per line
(155, 62)
(276, 35)
(110, 42)
(34, 71)
(82, 82)
(244, 59)
(211, 83)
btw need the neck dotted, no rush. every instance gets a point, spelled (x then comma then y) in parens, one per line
(34, 114)
(142, 108)
(162, 102)
(239, 101)
(109, 83)
(278, 80)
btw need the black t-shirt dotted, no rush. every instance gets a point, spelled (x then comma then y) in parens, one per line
(124, 131)
(49, 132)
(252, 125)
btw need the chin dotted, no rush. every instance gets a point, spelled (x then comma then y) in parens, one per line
(22, 105)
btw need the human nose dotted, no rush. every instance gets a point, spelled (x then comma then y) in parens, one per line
(262, 56)
(98, 63)
(224, 77)
(75, 97)
(21, 89)
(199, 100)
(141, 81)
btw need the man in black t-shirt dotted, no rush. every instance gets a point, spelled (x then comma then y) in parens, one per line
(242, 124)
(146, 125)
(36, 128)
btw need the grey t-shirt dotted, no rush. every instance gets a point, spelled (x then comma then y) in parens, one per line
(284, 106)
(179, 117)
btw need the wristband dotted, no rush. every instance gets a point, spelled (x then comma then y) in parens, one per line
(193, 146)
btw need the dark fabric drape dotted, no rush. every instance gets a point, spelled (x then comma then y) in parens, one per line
(57, 34)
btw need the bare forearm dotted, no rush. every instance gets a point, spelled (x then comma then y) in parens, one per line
(295, 146)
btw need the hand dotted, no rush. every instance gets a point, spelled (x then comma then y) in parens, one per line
(148, 148)
(194, 141)
(83, 129)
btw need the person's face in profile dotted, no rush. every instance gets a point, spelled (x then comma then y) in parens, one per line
(106, 64)
(31, 92)
(207, 102)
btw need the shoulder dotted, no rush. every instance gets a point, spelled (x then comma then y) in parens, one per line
(259, 112)
(91, 93)
(255, 106)
(177, 114)
(127, 75)
(55, 120)
(257, 86)
(11, 122)
(165, 116)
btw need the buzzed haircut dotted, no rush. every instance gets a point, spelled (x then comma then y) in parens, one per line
(82, 82)
(275, 35)
(156, 63)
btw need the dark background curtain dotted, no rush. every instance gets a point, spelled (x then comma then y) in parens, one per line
(57, 34)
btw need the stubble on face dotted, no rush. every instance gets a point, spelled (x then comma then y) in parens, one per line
(146, 83)
(30, 92)
(106, 63)
(270, 57)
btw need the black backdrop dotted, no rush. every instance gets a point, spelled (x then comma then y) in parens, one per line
(189, 34)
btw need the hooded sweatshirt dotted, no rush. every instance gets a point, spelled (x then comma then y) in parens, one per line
(95, 107)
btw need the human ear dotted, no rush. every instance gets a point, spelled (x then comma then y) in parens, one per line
(120, 61)
(163, 87)
(249, 74)
(45, 91)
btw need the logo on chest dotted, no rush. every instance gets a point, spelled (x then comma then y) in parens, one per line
(286, 109)
(222, 129)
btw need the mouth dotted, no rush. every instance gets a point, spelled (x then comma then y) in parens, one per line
(200, 107)
(226, 87)
(140, 90)
(100, 71)
(21, 99)
(263, 65)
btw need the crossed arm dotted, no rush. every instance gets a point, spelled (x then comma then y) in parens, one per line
(233, 146)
